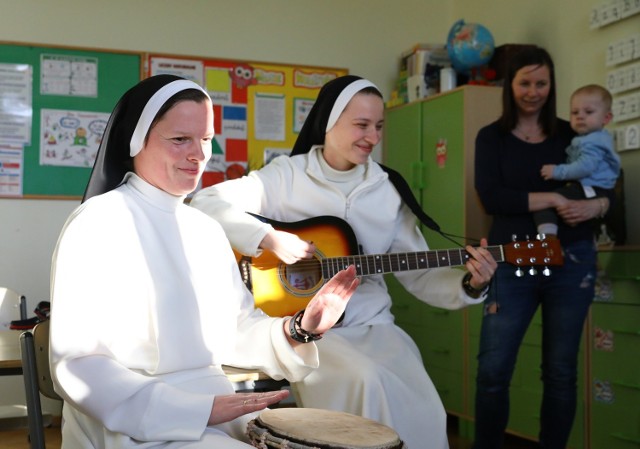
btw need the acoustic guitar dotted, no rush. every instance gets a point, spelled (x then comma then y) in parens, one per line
(280, 289)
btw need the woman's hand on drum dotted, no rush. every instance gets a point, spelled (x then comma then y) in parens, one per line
(327, 306)
(228, 407)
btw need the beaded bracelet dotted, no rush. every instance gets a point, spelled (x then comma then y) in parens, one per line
(298, 333)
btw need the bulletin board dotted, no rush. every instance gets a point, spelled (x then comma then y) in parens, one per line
(70, 92)
(259, 107)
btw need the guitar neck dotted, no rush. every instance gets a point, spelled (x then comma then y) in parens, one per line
(390, 263)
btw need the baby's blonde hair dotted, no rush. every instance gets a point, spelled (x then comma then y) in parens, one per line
(597, 89)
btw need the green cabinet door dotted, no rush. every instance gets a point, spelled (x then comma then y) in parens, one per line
(443, 154)
(614, 379)
(403, 142)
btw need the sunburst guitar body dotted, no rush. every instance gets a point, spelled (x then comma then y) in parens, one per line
(281, 290)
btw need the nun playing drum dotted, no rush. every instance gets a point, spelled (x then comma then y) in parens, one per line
(147, 300)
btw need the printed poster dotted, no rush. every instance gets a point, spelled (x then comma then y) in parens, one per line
(67, 75)
(11, 169)
(16, 105)
(70, 138)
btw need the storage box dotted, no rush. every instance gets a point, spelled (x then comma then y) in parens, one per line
(416, 59)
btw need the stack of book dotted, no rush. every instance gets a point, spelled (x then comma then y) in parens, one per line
(419, 74)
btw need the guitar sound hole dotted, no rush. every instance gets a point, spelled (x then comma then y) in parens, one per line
(303, 275)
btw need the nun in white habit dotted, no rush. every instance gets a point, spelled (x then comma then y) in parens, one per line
(368, 365)
(147, 301)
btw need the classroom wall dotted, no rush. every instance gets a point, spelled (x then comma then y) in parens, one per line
(364, 36)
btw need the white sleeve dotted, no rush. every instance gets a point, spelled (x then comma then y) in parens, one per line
(439, 287)
(228, 203)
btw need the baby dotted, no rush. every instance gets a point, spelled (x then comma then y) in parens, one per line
(592, 164)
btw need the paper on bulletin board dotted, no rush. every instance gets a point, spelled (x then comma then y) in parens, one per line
(70, 138)
(68, 75)
(188, 69)
(302, 107)
(11, 169)
(16, 105)
(269, 117)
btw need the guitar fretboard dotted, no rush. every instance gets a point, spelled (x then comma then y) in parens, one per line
(390, 263)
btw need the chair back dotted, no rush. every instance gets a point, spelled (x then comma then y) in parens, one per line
(41, 343)
(34, 349)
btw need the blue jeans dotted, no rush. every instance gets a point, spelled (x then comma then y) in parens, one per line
(564, 298)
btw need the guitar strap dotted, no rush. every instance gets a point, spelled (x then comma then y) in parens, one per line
(407, 195)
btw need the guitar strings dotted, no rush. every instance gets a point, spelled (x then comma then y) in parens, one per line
(377, 263)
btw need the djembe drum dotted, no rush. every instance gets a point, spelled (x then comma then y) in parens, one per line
(308, 428)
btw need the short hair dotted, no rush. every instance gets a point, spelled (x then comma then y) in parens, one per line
(595, 89)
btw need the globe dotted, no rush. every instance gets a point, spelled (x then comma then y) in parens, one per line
(469, 45)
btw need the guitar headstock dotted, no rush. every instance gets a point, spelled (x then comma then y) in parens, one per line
(531, 253)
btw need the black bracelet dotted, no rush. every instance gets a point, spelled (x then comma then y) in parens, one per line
(298, 333)
(470, 289)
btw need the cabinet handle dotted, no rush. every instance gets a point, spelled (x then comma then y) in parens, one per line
(621, 331)
(626, 385)
(623, 437)
(441, 351)
(626, 332)
(439, 312)
(617, 277)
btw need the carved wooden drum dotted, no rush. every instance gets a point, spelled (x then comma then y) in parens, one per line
(309, 428)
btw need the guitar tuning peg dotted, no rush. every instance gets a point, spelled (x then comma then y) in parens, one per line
(546, 271)
(514, 238)
(519, 272)
(533, 271)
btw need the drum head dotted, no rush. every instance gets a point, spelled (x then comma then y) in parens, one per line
(326, 428)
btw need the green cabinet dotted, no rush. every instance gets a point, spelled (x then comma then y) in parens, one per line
(431, 142)
(614, 341)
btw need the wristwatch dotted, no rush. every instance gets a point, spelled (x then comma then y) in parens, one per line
(470, 289)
